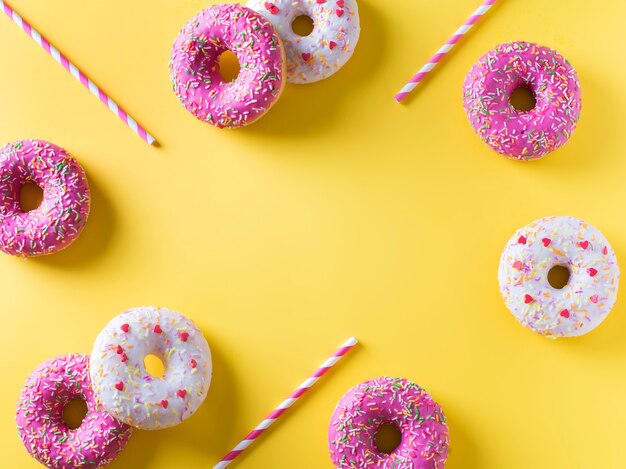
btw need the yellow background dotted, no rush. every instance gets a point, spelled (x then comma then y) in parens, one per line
(339, 213)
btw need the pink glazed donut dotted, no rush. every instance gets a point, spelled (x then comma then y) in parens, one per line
(46, 436)
(62, 215)
(388, 401)
(518, 134)
(194, 66)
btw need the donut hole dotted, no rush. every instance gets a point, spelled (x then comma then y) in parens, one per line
(558, 276)
(31, 196)
(302, 25)
(523, 99)
(74, 412)
(388, 438)
(229, 66)
(154, 365)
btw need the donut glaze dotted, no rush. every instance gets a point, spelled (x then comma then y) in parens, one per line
(40, 425)
(330, 45)
(120, 377)
(194, 66)
(62, 215)
(590, 293)
(517, 134)
(383, 401)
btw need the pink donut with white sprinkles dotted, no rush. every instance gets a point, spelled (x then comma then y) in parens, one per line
(120, 378)
(194, 66)
(95, 443)
(388, 401)
(62, 215)
(517, 134)
(587, 296)
(336, 30)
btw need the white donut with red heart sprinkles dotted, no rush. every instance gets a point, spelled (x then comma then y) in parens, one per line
(336, 30)
(123, 384)
(587, 296)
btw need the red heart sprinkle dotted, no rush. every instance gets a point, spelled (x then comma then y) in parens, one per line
(193, 363)
(517, 265)
(521, 240)
(565, 313)
(592, 271)
(528, 299)
(594, 298)
(158, 329)
(339, 13)
(546, 241)
(181, 393)
(332, 45)
(584, 244)
(306, 56)
(119, 350)
(340, 3)
(273, 9)
(125, 327)
(119, 386)
(164, 403)
(605, 251)
(319, 2)
(184, 336)
(124, 357)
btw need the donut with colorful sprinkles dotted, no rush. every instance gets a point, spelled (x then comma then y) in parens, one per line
(336, 30)
(63, 212)
(518, 134)
(95, 443)
(120, 378)
(388, 401)
(587, 296)
(195, 70)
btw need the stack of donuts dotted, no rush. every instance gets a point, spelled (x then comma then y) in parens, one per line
(269, 53)
(117, 388)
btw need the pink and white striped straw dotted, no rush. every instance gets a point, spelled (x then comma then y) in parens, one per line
(76, 73)
(441, 53)
(282, 408)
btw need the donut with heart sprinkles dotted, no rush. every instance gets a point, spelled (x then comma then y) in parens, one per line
(590, 291)
(96, 442)
(124, 385)
(336, 30)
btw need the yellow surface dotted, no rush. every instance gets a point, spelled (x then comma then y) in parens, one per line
(339, 213)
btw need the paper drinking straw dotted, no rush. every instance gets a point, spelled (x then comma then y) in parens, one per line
(441, 53)
(281, 409)
(76, 73)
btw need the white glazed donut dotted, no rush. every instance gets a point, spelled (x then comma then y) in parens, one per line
(590, 293)
(120, 378)
(330, 45)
